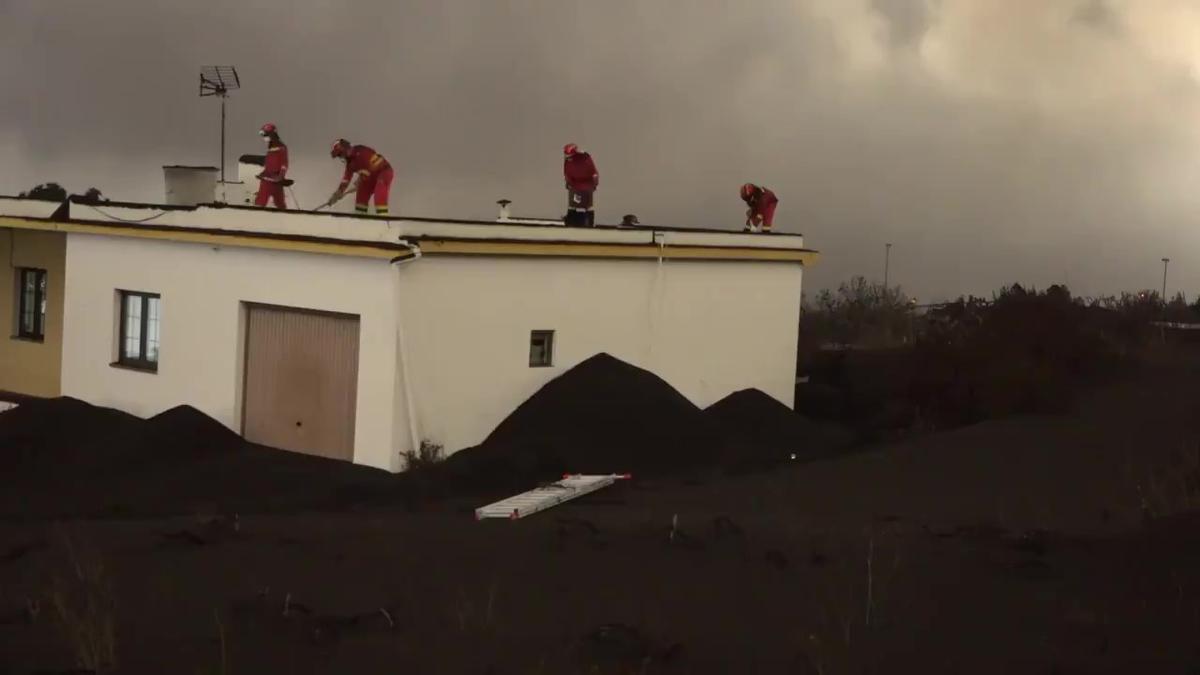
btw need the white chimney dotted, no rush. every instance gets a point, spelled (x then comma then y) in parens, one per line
(504, 214)
(243, 191)
(249, 166)
(190, 185)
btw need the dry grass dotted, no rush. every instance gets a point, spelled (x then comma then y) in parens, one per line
(479, 615)
(84, 605)
(1173, 487)
(854, 598)
(221, 640)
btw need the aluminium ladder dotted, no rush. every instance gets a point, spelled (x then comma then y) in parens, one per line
(541, 498)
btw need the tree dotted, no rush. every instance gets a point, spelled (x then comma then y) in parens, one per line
(861, 312)
(1178, 310)
(52, 192)
(92, 196)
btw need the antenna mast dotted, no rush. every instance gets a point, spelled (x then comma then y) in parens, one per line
(219, 81)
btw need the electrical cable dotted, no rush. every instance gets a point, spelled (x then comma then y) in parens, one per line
(126, 220)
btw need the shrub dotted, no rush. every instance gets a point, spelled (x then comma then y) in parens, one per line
(430, 453)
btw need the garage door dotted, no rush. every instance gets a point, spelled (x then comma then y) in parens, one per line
(301, 380)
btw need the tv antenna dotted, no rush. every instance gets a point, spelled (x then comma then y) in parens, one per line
(219, 81)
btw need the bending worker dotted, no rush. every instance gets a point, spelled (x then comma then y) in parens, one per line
(273, 177)
(374, 176)
(762, 203)
(581, 177)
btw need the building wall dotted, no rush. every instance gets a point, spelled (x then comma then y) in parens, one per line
(26, 366)
(202, 329)
(708, 328)
(461, 345)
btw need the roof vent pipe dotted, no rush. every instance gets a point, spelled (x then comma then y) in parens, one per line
(504, 213)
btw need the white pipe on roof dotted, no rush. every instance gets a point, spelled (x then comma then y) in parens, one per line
(402, 351)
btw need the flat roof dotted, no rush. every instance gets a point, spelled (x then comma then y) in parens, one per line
(515, 221)
(356, 234)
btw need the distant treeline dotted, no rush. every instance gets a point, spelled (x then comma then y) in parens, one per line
(902, 368)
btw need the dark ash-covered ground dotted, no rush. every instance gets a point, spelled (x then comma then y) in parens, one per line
(1033, 544)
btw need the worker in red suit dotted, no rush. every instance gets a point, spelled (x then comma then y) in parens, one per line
(762, 203)
(373, 172)
(579, 171)
(273, 177)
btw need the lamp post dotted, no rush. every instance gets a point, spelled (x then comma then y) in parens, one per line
(887, 258)
(1165, 261)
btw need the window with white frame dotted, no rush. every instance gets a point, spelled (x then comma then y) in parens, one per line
(137, 345)
(31, 303)
(541, 348)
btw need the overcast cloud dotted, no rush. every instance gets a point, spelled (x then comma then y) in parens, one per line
(990, 140)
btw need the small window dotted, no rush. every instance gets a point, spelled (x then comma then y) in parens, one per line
(541, 348)
(31, 304)
(138, 341)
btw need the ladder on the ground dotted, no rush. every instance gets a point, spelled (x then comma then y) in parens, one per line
(541, 498)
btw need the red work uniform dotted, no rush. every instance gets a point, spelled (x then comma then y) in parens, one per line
(270, 181)
(762, 205)
(580, 173)
(375, 178)
(582, 179)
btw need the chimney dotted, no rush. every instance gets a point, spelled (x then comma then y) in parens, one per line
(190, 185)
(504, 214)
(243, 191)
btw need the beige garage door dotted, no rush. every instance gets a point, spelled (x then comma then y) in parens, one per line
(301, 380)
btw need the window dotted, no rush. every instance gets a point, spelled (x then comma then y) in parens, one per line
(541, 348)
(138, 342)
(31, 303)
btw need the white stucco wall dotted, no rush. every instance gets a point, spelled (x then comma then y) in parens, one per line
(27, 208)
(708, 328)
(202, 331)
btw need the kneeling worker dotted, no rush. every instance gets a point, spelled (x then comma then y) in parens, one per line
(762, 202)
(373, 172)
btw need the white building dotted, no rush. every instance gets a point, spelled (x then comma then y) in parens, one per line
(361, 337)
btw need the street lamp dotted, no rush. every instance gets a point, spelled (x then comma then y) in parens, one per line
(887, 258)
(1164, 289)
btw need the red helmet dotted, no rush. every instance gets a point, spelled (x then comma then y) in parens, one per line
(267, 129)
(341, 148)
(570, 149)
(748, 190)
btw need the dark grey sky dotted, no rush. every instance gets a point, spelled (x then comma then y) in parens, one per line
(990, 140)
